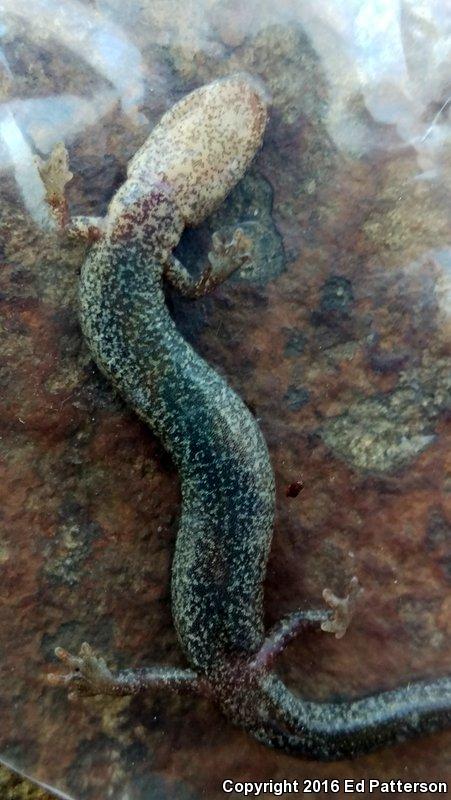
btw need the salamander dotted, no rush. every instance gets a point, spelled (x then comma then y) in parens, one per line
(191, 160)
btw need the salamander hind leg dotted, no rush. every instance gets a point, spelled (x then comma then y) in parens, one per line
(334, 619)
(225, 257)
(88, 675)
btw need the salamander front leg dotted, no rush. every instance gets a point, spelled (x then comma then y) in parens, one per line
(89, 675)
(334, 619)
(225, 257)
(55, 175)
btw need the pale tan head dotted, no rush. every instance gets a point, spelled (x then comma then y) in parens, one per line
(203, 145)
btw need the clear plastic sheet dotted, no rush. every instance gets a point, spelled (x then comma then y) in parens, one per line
(338, 339)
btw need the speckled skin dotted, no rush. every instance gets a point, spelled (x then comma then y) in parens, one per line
(197, 153)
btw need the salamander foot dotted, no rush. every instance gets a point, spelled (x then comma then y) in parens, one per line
(88, 674)
(343, 608)
(228, 255)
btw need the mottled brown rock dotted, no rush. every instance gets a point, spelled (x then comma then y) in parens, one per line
(15, 788)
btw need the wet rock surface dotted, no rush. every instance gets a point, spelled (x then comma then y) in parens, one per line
(337, 338)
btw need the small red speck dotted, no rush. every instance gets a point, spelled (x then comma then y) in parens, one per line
(294, 488)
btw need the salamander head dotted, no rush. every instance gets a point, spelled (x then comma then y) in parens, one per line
(196, 154)
(218, 132)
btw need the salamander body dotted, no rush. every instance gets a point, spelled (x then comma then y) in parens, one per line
(189, 163)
